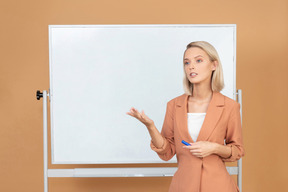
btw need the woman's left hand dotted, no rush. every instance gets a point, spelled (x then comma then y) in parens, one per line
(201, 148)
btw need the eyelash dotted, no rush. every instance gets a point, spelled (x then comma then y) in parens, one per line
(196, 60)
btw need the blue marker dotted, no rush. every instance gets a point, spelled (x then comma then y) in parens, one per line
(184, 142)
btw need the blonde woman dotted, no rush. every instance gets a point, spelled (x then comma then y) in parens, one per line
(204, 118)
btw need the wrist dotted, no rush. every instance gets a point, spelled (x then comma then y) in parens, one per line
(151, 126)
(215, 148)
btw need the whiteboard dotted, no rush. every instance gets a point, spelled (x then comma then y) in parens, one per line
(98, 72)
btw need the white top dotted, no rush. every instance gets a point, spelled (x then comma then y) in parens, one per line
(195, 121)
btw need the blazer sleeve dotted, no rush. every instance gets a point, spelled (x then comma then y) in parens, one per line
(167, 151)
(234, 135)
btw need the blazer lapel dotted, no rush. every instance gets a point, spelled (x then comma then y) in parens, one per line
(213, 114)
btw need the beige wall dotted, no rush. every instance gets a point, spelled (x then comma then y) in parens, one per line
(262, 55)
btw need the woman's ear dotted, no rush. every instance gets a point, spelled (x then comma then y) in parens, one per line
(215, 65)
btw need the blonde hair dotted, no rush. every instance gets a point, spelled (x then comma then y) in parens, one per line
(217, 79)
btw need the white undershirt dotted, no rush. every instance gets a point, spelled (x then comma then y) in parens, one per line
(195, 121)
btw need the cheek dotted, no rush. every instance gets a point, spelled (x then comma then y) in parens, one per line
(186, 70)
(204, 71)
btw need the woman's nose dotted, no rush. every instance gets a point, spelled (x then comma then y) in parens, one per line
(191, 66)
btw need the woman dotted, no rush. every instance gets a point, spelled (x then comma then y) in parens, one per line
(203, 117)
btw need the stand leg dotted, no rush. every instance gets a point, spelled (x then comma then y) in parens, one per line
(45, 144)
(240, 160)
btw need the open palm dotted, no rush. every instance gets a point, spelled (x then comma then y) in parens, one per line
(140, 116)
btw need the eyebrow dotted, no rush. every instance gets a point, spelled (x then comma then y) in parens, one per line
(194, 57)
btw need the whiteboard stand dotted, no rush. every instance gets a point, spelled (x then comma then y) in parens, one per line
(239, 162)
(116, 172)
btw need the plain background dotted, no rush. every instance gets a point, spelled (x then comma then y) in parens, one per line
(262, 45)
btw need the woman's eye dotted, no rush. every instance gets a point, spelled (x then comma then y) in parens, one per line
(197, 61)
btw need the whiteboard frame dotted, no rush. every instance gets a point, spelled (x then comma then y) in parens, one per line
(93, 173)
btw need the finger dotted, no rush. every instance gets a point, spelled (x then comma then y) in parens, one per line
(188, 147)
(129, 113)
(197, 154)
(195, 151)
(143, 114)
(196, 143)
(132, 112)
(135, 111)
(140, 115)
(191, 147)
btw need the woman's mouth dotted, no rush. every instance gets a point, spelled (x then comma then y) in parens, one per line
(193, 75)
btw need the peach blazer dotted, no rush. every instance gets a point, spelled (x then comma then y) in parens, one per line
(208, 174)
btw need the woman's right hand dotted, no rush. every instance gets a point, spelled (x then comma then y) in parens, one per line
(141, 117)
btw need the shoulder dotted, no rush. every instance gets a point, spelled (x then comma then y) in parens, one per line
(232, 106)
(177, 99)
(230, 103)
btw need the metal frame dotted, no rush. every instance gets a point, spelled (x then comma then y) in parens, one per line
(118, 172)
(239, 162)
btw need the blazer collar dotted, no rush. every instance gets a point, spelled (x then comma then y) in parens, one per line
(213, 114)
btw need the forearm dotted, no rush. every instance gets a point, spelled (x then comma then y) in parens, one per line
(222, 150)
(156, 136)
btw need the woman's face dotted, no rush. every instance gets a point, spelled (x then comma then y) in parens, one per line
(197, 61)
